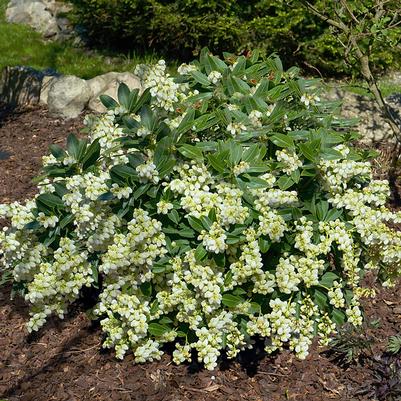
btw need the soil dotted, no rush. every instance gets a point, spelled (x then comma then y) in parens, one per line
(65, 361)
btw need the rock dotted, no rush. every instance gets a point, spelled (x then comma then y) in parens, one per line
(45, 16)
(20, 86)
(68, 96)
(44, 90)
(33, 13)
(107, 84)
(371, 124)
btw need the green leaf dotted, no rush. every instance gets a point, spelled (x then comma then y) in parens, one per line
(165, 320)
(135, 159)
(33, 225)
(165, 166)
(252, 153)
(263, 88)
(200, 78)
(184, 232)
(195, 223)
(239, 68)
(254, 182)
(161, 266)
(152, 192)
(217, 64)
(57, 151)
(130, 123)
(91, 155)
(220, 259)
(157, 330)
(140, 191)
(133, 96)
(200, 253)
(95, 274)
(216, 163)
(69, 218)
(240, 85)
(255, 308)
(174, 216)
(205, 121)
(7, 276)
(295, 176)
(108, 102)
(264, 245)
(309, 151)
(235, 152)
(191, 152)
(186, 123)
(322, 208)
(148, 118)
(239, 291)
(122, 173)
(282, 140)
(123, 94)
(60, 189)
(321, 300)
(50, 200)
(107, 196)
(394, 344)
(154, 307)
(212, 215)
(231, 300)
(296, 213)
(285, 182)
(73, 146)
(327, 279)
(206, 222)
(330, 154)
(228, 278)
(338, 317)
(333, 214)
(146, 289)
(144, 99)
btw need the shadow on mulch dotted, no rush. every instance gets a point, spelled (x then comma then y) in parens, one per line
(65, 361)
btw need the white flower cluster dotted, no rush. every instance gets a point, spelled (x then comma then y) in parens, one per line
(309, 99)
(289, 161)
(162, 87)
(148, 172)
(214, 77)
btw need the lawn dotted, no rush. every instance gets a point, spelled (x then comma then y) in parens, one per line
(21, 45)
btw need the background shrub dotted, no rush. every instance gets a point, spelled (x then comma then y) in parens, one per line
(180, 28)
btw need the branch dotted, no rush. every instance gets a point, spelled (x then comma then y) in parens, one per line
(345, 5)
(338, 24)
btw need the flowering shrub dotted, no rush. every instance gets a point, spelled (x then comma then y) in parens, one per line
(218, 205)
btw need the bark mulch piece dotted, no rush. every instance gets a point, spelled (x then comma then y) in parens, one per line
(65, 361)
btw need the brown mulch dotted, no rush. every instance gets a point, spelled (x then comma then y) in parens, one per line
(65, 361)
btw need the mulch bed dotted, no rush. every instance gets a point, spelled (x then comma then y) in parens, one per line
(65, 361)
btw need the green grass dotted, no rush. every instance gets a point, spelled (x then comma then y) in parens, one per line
(21, 45)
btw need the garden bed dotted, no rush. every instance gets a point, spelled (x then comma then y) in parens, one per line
(65, 361)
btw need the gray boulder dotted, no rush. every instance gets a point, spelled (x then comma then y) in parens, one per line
(33, 13)
(107, 84)
(20, 86)
(372, 126)
(43, 16)
(47, 82)
(68, 96)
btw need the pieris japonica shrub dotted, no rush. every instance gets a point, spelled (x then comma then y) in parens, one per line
(216, 206)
